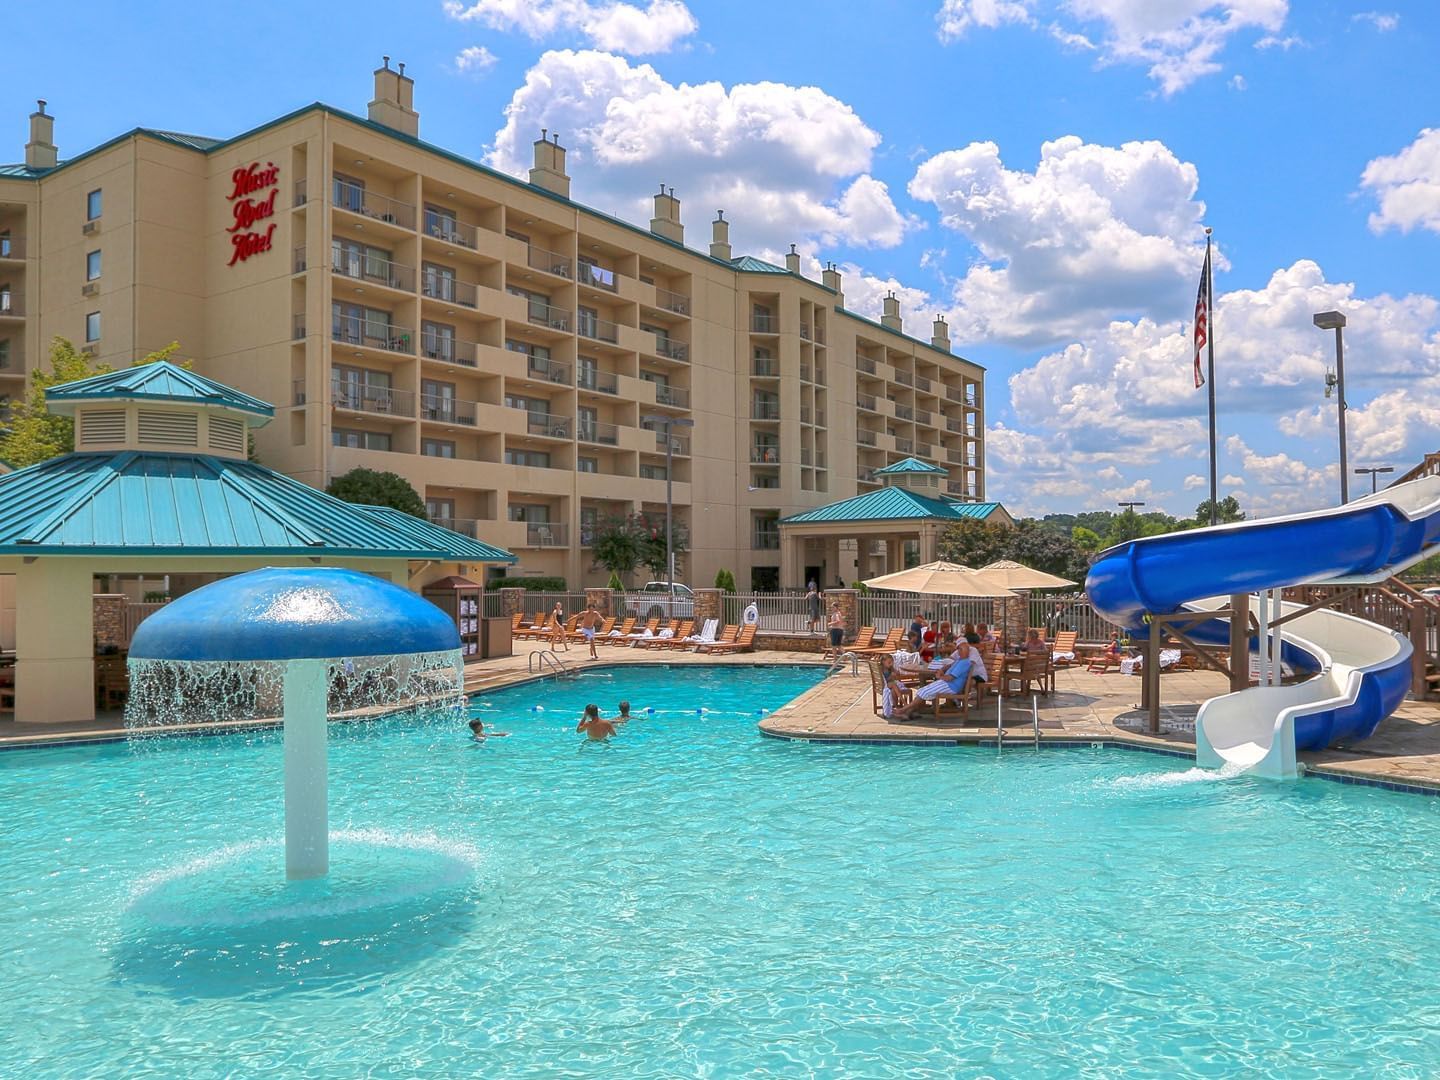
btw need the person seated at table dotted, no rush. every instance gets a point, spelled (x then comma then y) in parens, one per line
(954, 681)
(987, 636)
(1033, 642)
(917, 631)
(970, 635)
(894, 692)
(927, 644)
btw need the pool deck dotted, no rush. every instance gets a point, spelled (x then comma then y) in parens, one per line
(1085, 708)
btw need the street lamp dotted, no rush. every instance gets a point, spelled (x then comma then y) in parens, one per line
(1372, 472)
(667, 422)
(1130, 505)
(1333, 320)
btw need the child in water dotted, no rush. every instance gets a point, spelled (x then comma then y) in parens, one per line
(624, 716)
(477, 729)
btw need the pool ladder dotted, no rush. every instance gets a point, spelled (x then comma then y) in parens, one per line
(1000, 720)
(550, 660)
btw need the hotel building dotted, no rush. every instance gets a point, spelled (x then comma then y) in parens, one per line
(530, 365)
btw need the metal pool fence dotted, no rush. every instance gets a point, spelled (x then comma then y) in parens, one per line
(885, 611)
(1072, 612)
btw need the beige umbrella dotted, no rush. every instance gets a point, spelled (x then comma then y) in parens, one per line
(1014, 575)
(941, 579)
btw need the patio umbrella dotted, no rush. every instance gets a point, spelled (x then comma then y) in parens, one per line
(1014, 575)
(941, 579)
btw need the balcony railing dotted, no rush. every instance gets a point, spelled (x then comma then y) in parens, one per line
(765, 367)
(866, 475)
(955, 457)
(765, 410)
(551, 262)
(12, 304)
(904, 446)
(353, 330)
(449, 350)
(298, 331)
(678, 444)
(806, 456)
(597, 277)
(358, 200)
(598, 433)
(300, 193)
(542, 368)
(922, 383)
(867, 366)
(764, 324)
(819, 418)
(549, 425)
(547, 534)
(904, 412)
(865, 438)
(602, 382)
(12, 247)
(865, 401)
(450, 230)
(674, 396)
(449, 290)
(957, 487)
(447, 410)
(765, 540)
(556, 318)
(675, 350)
(922, 416)
(672, 301)
(904, 378)
(652, 472)
(804, 372)
(596, 329)
(381, 400)
(360, 267)
(925, 450)
(463, 526)
(765, 455)
(805, 331)
(957, 426)
(299, 263)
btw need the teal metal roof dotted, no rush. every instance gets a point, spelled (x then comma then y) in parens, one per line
(891, 504)
(752, 265)
(21, 171)
(193, 142)
(162, 381)
(460, 546)
(131, 503)
(911, 465)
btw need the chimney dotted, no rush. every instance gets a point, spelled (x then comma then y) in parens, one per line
(40, 152)
(666, 221)
(720, 237)
(394, 104)
(549, 170)
(831, 280)
(792, 260)
(891, 318)
(940, 335)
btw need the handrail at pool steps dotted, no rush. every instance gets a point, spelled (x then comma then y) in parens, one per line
(550, 660)
(1360, 671)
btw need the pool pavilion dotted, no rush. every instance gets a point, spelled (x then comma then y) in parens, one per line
(159, 485)
(878, 532)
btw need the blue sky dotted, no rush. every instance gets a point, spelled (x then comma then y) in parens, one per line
(1038, 170)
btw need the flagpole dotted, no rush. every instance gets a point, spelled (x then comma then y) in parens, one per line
(1210, 363)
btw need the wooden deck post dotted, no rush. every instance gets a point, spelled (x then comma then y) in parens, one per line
(1239, 641)
(1151, 676)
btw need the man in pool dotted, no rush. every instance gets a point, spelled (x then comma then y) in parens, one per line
(595, 727)
(624, 716)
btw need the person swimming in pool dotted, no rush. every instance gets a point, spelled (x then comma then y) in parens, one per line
(477, 729)
(595, 726)
(624, 716)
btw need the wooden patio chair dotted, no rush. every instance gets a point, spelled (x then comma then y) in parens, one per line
(678, 631)
(864, 638)
(1063, 652)
(727, 637)
(1105, 661)
(745, 642)
(617, 633)
(646, 631)
(1036, 671)
(539, 624)
(892, 642)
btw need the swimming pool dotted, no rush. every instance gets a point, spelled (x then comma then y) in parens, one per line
(695, 899)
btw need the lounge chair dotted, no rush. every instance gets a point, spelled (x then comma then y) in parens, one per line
(728, 637)
(615, 634)
(1063, 652)
(665, 638)
(536, 627)
(864, 638)
(647, 631)
(892, 642)
(704, 637)
(579, 635)
(1106, 661)
(682, 637)
(745, 642)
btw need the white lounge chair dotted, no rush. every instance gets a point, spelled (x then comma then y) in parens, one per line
(706, 634)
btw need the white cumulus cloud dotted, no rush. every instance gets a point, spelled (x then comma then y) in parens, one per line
(1383, 21)
(956, 17)
(475, 60)
(1407, 186)
(787, 163)
(618, 27)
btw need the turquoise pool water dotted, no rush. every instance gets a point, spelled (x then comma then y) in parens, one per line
(696, 900)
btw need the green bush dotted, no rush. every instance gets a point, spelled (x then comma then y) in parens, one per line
(725, 580)
(156, 598)
(531, 584)
(615, 584)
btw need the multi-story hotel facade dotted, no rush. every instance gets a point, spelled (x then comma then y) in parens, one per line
(530, 365)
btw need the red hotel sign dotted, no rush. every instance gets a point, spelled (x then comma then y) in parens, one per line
(249, 210)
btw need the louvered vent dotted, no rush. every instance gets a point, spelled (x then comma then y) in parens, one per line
(102, 428)
(169, 429)
(227, 435)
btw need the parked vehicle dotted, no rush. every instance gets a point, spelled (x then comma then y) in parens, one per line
(653, 601)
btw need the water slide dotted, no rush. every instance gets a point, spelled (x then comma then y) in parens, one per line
(1359, 672)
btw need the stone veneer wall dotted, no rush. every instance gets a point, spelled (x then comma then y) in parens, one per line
(603, 599)
(512, 601)
(709, 604)
(110, 621)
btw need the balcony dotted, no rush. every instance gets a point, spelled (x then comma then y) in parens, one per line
(301, 194)
(597, 277)
(298, 331)
(866, 402)
(764, 455)
(597, 433)
(764, 367)
(449, 230)
(867, 366)
(678, 443)
(599, 382)
(805, 415)
(547, 534)
(764, 410)
(958, 488)
(925, 450)
(372, 271)
(957, 426)
(804, 372)
(447, 410)
(357, 200)
(12, 247)
(449, 290)
(804, 331)
(865, 438)
(550, 262)
(904, 412)
(547, 425)
(904, 446)
(448, 350)
(673, 396)
(672, 301)
(540, 367)
(764, 324)
(359, 397)
(672, 350)
(12, 304)
(765, 540)
(588, 326)
(369, 334)
(550, 316)
(463, 526)
(904, 378)
(922, 384)
(922, 416)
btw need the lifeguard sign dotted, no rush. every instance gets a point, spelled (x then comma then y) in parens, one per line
(249, 209)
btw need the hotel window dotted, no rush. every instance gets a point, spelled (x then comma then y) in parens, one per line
(437, 448)
(537, 304)
(92, 326)
(93, 204)
(536, 514)
(356, 325)
(513, 235)
(6, 305)
(6, 246)
(440, 222)
(361, 388)
(587, 464)
(439, 282)
(437, 341)
(357, 260)
(534, 458)
(4, 354)
(360, 440)
(349, 193)
(92, 266)
(440, 509)
(437, 401)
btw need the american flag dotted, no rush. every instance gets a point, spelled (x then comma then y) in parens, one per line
(1202, 317)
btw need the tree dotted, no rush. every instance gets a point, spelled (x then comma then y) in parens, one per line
(373, 488)
(615, 546)
(615, 584)
(973, 542)
(1086, 540)
(1031, 542)
(651, 532)
(725, 580)
(36, 434)
(1228, 507)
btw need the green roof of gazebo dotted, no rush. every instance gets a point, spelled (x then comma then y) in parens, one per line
(162, 381)
(911, 465)
(892, 504)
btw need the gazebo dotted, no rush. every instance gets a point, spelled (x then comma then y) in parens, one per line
(909, 509)
(160, 484)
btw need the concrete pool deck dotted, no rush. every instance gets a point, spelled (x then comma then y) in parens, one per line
(1084, 708)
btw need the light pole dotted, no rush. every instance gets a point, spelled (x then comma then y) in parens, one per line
(668, 422)
(1130, 505)
(1333, 320)
(1372, 472)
